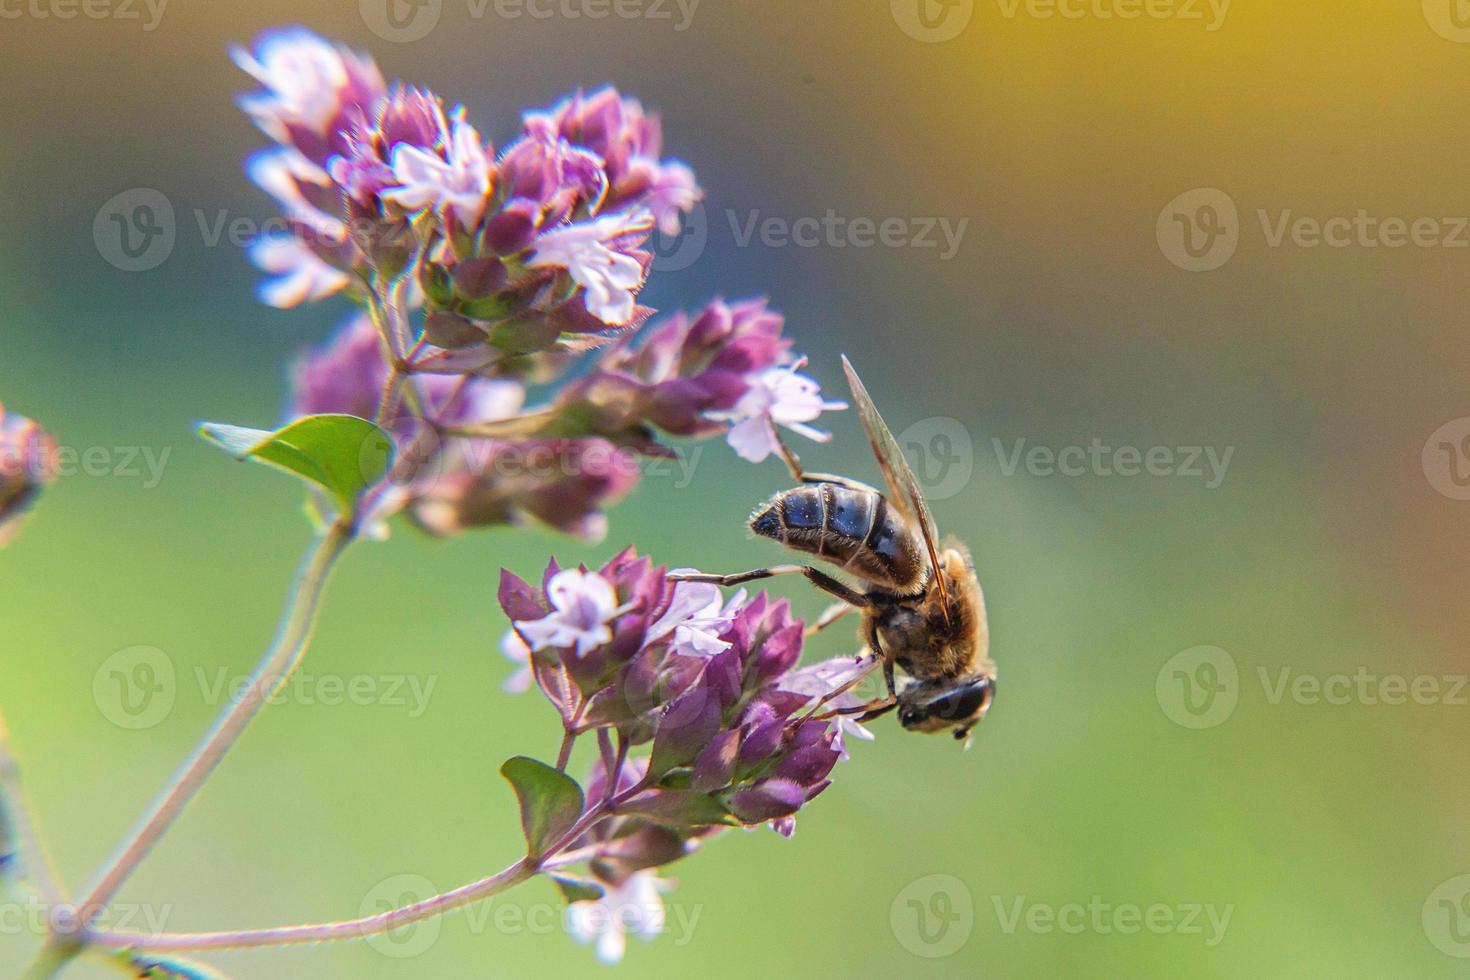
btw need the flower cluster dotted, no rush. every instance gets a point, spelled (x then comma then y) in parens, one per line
(483, 273)
(727, 369)
(27, 463)
(735, 732)
(477, 458)
(511, 251)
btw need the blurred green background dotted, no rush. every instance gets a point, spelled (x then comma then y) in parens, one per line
(1332, 833)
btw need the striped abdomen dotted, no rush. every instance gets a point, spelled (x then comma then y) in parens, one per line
(853, 529)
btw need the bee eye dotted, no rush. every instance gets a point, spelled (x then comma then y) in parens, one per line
(963, 703)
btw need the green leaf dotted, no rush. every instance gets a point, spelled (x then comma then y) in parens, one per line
(342, 454)
(577, 889)
(551, 801)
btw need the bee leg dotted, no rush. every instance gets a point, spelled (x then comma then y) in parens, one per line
(865, 712)
(834, 613)
(878, 712)
(793, 463)
(818, 578)
(879, 708)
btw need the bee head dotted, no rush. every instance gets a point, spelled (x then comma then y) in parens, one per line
(936, 706)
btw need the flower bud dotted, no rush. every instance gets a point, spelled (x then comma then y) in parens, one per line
(686, 726)
(769, 799)
(27, 463)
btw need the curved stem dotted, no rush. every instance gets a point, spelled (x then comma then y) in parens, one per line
(279, 661)
(372, 925)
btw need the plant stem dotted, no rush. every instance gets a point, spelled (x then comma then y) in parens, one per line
(275, 666)
(52, 957)
(16, 818)
(392, 391)
(565, 755)
(373, 925)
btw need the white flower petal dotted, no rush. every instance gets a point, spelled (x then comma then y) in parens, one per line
(301, 274)
(583, 605)
(609, 278)
(612, 944)
(752, 439)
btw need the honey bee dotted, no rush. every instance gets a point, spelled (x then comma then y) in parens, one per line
(922, 607)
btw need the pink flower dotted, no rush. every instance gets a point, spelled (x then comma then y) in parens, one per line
(592, 253)
(312, 89)
(696, 617)
(301, 274)
(455, 183)
(298, 185)
(777, 396)
(583, 605)
(629, 140)
(27, 463)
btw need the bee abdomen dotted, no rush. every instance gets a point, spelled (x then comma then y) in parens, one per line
(851, 528)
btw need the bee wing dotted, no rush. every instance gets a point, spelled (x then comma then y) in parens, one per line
(903, 486)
